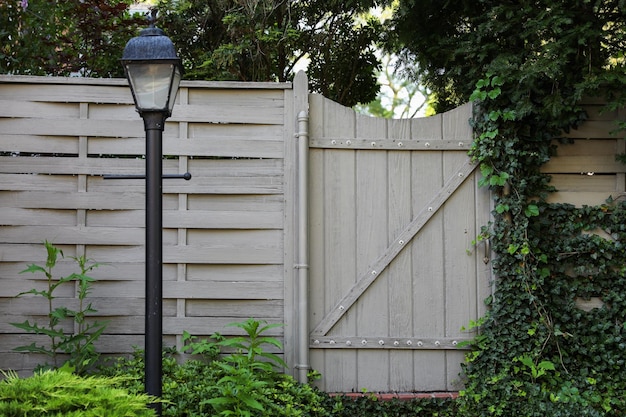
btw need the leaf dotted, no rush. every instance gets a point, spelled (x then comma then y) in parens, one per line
(501, 208)
(512, 248)
(269, 327)
(33, 268)
(494, 93)
(482, 83)
(486, 170)
(33, 348)
(270, 341)
(45, 294)
(478, 95)
(217, 401)
(527, 361)
(547, 365)
(61, 313)
(531, 210)
(277, 359)
(494, 116)
(252, 403)
(497, 81)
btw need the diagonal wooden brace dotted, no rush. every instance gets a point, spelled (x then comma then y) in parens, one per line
(409, 232)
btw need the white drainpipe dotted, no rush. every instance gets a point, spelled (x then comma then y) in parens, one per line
(302, 263)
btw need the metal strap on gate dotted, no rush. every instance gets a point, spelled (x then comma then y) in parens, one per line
(391, 144)
(401, 343)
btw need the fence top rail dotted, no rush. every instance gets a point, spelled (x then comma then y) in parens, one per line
(31, 79)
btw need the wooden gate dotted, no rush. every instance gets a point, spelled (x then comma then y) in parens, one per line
(394, 276)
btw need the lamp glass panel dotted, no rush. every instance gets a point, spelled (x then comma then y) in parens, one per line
(151, 84)
(174, 87)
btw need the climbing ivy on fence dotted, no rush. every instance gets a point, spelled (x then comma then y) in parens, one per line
(554, 340)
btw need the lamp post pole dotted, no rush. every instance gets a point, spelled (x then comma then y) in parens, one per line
(153, 123)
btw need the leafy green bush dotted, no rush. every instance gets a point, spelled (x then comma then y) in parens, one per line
(185, 385)
(246, 382)
(62, 393)
(79, 344)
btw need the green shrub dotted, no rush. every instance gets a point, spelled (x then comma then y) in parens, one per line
(184, 385)
(246, 382)
(62, 393)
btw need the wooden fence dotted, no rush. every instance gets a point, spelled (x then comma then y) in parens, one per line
(354, 232)
(585, 170)
(227, 232)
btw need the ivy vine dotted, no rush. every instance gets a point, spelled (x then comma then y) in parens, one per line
(554, 340)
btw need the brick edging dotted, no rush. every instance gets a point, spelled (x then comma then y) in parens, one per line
(400, 396)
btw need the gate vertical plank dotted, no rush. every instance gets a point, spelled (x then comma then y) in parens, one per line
(429, 370)
(427, 253)
(400, 270)
(371, 232)
(459, 231)
(317, 226)
(340, 368)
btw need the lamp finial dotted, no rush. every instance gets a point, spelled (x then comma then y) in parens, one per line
(153, 17)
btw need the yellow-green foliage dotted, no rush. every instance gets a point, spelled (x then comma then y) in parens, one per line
(62, 393)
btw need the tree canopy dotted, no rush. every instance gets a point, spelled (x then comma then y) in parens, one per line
(65, 37)
(563, 47)
(242, 40)
(264, 40)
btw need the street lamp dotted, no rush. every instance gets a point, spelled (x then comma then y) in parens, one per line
(154, 71)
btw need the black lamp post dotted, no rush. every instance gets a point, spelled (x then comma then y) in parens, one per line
(153, 70)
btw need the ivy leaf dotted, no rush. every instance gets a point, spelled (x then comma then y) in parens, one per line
(494, 116)
(497, 80)
(486, 169)
(478, 95)
(499, 179)
(531, 210)
(501, 208)
(546, 365)
(482, 83)
(494, 93)
(508, 116)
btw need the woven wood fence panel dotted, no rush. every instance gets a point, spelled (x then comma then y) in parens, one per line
(224, 249)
